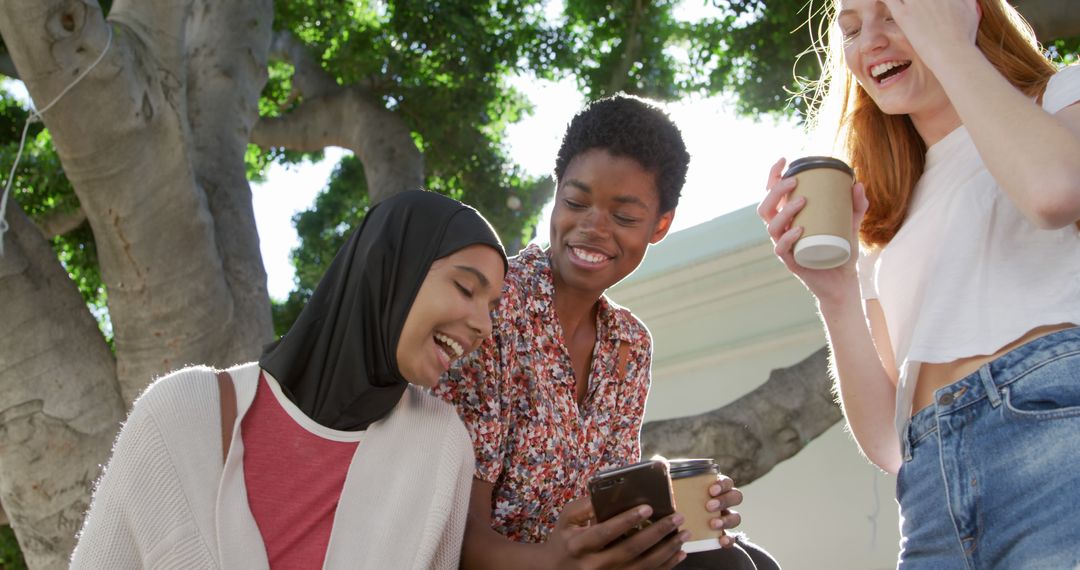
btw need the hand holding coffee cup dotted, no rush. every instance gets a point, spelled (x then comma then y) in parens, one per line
(691, 480)
(825, 184)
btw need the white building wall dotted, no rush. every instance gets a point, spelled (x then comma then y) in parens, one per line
(723, 312)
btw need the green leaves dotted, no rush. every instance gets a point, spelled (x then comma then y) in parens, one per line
(1065, 51)
(444, 68)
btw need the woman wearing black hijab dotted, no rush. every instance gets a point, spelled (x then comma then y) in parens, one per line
(338, 457)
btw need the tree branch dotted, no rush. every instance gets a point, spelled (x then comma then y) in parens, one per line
(349, 117)
(7, 67)
(1051, 19)
(751, 435)
(309, 77)
(229, 44)
(60, 223)
(631, 47)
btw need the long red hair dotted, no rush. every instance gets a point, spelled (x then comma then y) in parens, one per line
(886, 151)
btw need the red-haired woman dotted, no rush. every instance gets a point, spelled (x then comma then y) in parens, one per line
(961, 369)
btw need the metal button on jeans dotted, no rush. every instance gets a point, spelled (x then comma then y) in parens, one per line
(945, 399)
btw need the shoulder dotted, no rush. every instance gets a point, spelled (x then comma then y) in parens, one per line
(1063, 89)
(628, 325)
(193, 384)
(435, 415)
(173, 431)
(429, 428)
(526, 292)
(177, 389)
(523, 270)
(1066, 75)
(185, 403)
(866, 268)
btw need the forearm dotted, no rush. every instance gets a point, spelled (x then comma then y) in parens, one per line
(867, 393)
(1031, 153)
(485, 549)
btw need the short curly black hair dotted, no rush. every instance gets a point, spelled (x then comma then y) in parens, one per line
(634, 128)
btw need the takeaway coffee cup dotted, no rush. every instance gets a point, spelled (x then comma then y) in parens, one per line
(825, 182)
(690, 481)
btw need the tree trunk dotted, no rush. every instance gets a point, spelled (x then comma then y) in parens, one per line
(59, 402)
(135, 166)
(751, 435)
(152, 140)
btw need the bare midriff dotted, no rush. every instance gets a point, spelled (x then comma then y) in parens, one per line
(933, 376)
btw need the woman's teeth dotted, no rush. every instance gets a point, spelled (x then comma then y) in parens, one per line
(589, 256)
(455, 349)
(882, 68)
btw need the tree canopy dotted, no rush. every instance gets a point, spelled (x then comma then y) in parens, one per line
(444, 67)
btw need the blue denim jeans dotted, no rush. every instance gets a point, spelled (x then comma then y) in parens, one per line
(991, 472)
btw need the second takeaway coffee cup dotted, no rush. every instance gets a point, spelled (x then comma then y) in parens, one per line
(825, 182)
(690, 482)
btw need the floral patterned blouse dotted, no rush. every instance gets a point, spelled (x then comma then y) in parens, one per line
(516, 395)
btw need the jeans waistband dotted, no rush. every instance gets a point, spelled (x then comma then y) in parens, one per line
(988, 380)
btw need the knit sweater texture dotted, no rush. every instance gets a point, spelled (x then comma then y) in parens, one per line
(166, 501)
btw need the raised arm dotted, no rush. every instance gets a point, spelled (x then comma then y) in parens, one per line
(1029, 151)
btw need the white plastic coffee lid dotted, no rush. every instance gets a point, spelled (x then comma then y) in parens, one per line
(822, 252)
(701, 545)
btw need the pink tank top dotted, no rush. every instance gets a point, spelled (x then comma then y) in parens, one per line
(294, 470)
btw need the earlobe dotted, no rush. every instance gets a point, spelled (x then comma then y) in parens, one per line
(662, 226)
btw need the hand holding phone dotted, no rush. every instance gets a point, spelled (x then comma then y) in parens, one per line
(579, 541)
(618, 490)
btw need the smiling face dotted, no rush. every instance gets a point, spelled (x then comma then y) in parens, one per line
(451, 314)
(883, 62)
(607, 212)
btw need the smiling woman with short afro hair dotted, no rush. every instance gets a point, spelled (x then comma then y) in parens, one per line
(632, 127)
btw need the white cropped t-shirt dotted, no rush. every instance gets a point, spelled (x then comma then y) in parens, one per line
(967, 273)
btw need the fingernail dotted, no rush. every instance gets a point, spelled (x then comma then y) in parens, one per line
(712, 505)
(684, 536)
(681, 556)
(717, 524)
(644, 511)
(678, 519)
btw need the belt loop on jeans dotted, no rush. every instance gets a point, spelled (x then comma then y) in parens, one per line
(905, 441)
(988, 385)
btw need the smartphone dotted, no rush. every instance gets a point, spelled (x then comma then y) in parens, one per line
(618, 490)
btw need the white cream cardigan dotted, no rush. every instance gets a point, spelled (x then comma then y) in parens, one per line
(165, 500)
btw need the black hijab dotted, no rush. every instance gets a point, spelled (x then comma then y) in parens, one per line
(338, 362)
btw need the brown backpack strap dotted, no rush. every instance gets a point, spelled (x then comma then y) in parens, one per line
(624, 352)
(228, 411)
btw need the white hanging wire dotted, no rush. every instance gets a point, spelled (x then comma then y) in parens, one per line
(36, 115)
